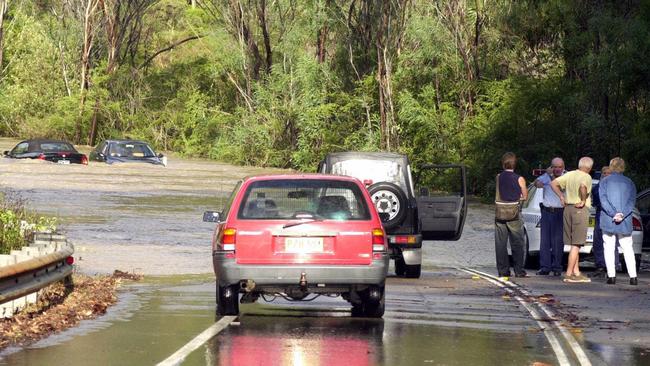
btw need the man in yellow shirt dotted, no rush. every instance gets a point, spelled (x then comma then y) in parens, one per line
(577, 187)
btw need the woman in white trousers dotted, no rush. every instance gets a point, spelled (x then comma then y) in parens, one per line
(617, 198)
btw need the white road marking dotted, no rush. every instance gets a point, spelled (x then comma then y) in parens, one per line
(573, 344)
(195, 343)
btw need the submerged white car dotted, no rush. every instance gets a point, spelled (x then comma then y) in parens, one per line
(532, 215)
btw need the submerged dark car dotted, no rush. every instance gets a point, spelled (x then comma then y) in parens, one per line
(126, 151)
(56, 151)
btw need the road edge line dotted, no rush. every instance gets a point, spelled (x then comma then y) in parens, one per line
(575, 346)
(552, 339)
(177, 357)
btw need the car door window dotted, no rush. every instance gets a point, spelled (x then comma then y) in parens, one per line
(371, 169)
(20, 148)
(441, 201)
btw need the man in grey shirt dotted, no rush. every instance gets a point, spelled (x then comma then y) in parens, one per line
(551, 246)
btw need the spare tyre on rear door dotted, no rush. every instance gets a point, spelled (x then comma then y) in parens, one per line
(389, 199)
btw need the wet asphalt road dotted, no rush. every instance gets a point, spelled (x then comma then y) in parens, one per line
(147, 219)
(445, 318)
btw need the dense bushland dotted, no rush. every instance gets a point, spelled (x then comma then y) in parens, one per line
(283, 82)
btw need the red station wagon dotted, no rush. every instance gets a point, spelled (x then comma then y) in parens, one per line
(299, 236)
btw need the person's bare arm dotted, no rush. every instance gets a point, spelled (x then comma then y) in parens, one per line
(556, 188)
(524, 191)
(583, 197)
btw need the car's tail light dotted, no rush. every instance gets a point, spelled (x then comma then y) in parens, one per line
(69, 260)
(378, 240)
(636, 224)
(41, 157)
(404, 239)
(227, 241)
(84, 160)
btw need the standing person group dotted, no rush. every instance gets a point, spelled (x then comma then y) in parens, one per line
(567, 199)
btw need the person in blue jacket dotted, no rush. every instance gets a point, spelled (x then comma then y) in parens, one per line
(598, 249)
(617, 195)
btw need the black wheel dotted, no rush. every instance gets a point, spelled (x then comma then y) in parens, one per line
(389, 198)
(227, 300)
(369, 307)
(374, 309)
(413, 271)
(400, 267)
(531, 261)
(357, 310)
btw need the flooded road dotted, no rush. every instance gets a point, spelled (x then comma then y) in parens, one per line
(148, 219)
(450, 319)
(133, 217)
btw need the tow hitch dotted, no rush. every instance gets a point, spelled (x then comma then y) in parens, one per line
(303, 281)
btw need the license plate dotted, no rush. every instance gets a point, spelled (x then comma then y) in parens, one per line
(64, 162)
(303, 245)
(592, 221)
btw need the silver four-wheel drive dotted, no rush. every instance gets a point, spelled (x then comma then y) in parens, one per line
(430, 204)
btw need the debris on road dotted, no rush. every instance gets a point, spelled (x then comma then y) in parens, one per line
(127, 275)
(57, 309)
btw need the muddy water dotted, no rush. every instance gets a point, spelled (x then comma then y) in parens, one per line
(133, 217)
(147, 219)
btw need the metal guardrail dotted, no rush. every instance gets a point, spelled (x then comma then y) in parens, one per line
(42, 263)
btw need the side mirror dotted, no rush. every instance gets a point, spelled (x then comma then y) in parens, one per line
(101, 156)
(211, 216)
(6, 152)
(161, 155)
(384, 216)
(424, 191)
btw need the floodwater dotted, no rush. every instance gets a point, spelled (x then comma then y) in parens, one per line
(449, 319)
(133, 217)
(148, 219)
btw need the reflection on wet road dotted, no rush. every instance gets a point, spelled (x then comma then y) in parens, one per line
(446, 319)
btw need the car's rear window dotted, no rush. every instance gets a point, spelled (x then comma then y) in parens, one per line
(56, 146)
(375, 170)
(301, 198)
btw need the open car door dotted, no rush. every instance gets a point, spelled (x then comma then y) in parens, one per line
(441, 194)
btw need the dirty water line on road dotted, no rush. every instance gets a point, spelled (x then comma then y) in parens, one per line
(516, 290)
(191, 346)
